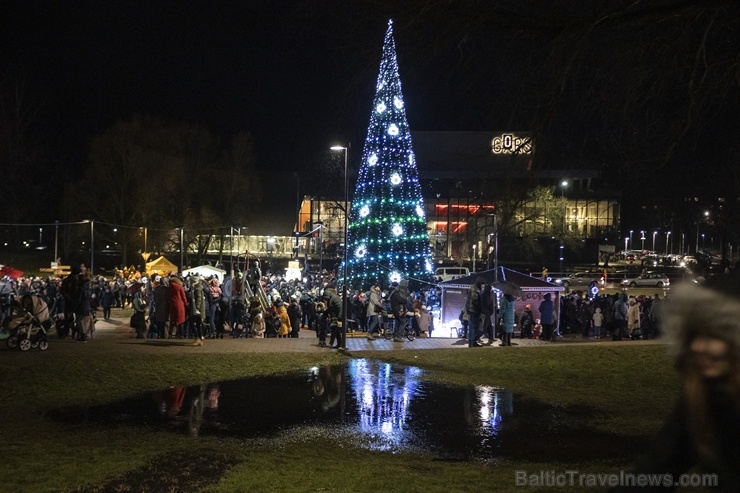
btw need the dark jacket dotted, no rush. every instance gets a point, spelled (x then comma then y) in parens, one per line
(486, 301)
(473, 302)
(547, 311)
(333, 303)
(400, 300)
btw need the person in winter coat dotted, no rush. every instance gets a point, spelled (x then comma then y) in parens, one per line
(620, 317)
(507, 307)
(374, 311)
(473, 309)
(295, 315)
(702, 434)
(598, 320)
(107, 300)
(84, 311)
(138, 320)
(197, 308)
(633, 319)
(213, 302)
(547, 317)
(158, 319)
(321, 323)
(526, 323)
(258, 325)
(284, 319)
(399, 306)
(177, 302)
(487, 309)
(333, 314)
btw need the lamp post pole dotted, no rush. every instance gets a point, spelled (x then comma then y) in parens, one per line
(654, 233)
(474, 249)
(182, 253)
(56, 240)
(642, 240)
(667, 235)
(298, 212)
(563, 184)
(345, 286)
(92, 247)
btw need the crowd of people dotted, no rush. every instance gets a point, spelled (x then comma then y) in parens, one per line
(617, 316)
(247, 304)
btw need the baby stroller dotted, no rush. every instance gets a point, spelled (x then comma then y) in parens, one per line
(28, 324)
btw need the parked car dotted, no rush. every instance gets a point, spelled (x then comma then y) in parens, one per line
(579, 279)
(649, 279)
(450, 273)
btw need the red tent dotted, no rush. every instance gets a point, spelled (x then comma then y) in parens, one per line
(9, 271)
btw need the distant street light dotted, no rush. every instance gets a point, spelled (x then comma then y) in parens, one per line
(654, 233)
(631, 244)
(474, 249)
(642, 240)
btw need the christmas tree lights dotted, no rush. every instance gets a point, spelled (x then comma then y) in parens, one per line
(387, 237)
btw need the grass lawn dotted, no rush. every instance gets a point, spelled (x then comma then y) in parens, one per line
(630, 387)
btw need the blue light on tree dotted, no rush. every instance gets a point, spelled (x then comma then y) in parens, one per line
(388, 230)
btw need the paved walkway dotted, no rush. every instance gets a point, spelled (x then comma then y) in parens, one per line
(115, 334)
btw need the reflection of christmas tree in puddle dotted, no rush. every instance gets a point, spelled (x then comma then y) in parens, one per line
(373, 404)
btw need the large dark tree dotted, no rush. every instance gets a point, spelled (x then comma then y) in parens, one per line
(147, 173)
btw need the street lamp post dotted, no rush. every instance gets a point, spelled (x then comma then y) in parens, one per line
(642, 240)
(56, 240)
(667, 236)
(298, 212)
(182, 253)
(92, 246)
(654, 233)
(563, 184)
(346, 246)
(474, 251)
(631, 244)
(231, 251)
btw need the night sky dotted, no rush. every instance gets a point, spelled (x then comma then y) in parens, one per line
(300, 75)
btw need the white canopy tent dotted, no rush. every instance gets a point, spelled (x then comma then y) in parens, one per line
(206, 271)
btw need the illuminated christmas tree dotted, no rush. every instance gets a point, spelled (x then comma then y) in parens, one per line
(388, 238)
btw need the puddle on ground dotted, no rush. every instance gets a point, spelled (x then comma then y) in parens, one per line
(377, 405)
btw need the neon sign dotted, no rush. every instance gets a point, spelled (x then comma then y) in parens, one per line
(511, 144)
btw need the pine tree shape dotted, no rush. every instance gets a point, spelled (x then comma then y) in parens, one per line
(387, 234)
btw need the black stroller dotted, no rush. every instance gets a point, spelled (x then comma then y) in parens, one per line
(28, 324)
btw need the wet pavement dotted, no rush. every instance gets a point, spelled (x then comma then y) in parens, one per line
(374, 405)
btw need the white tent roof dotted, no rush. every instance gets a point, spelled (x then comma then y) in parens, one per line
(205, 271)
